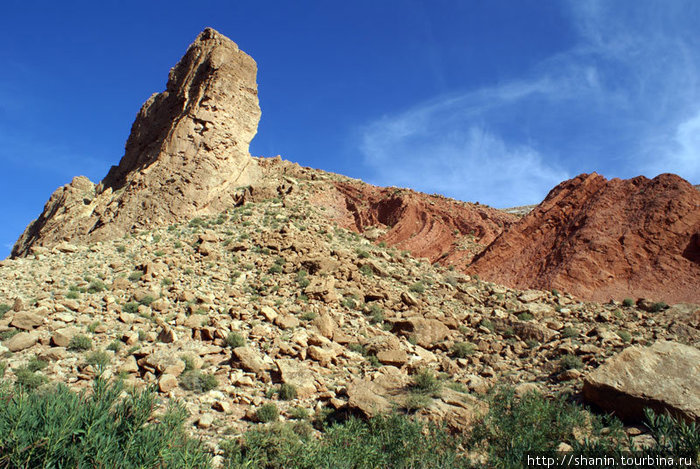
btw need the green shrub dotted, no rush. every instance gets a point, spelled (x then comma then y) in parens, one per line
(93, 326)
(569, 332)
(357, 348)
(393, 441)
(302, 278)
(462, 349)
(308, 316)
(515, 427)
(4, 308)
(417, 287)
(28, 379)
(373, 360)
(425, 382)
(366, 270)
(121, 248)
(487, 324)
(569, 362)
(525, 317)
(531, 343)
(628, 302)
(275, 269)
(72, 295)
(361, 254)
(377, 315)
(135, 276)
(267, 413)
(234, 339)
(98, 359)
(198, 381)
(625, 336)
(37, 364)
(349, 303)
(417, 401)
(115, 346)
(3, 368)
(59, 428)
(660, 306)
(96, 286)
(297, 413)
(131, 307)
(80, 343)
(287, 392)
(147, 300)
(189, 363)
(4, 335)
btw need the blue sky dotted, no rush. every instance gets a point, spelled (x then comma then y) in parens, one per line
(491, 101)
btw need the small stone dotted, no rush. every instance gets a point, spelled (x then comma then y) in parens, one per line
(568, 375)
(167, 383)
(393, 357)
(205, 420)
(286, 322)
(130, 338)
(564, 448)
(18, 305)
(525, 388)
(269, 313)
(222, 406)
(61, 337)
(167, 335)
(129, 365)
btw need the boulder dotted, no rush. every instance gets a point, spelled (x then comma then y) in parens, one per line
(427, 332)
(251, 360)
(26, 321)
(663, 377)
(298, 375)
(21, 341)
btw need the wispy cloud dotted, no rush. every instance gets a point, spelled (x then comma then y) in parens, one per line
(622, 101)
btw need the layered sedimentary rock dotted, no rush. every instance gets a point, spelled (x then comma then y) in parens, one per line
(600, 239)
(431, 226)
(186, 154)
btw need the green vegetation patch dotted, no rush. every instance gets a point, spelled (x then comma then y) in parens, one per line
(56, 427)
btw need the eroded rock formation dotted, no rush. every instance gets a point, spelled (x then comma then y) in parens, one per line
(186, 154)
(600, 239)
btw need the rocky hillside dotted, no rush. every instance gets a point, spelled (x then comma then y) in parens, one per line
(601, 239)
(230, 282)
(268, 293)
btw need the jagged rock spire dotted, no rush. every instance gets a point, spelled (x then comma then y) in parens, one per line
(185, 156)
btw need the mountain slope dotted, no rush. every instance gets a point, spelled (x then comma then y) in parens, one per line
(600, 239)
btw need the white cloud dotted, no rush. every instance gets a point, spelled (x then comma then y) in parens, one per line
(623, 101)
(427, 149)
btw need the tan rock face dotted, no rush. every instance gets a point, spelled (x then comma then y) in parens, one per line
(663, 377)
(600, 239)
(186, 155)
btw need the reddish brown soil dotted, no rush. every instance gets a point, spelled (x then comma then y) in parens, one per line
(600, 239)
(430, 226)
